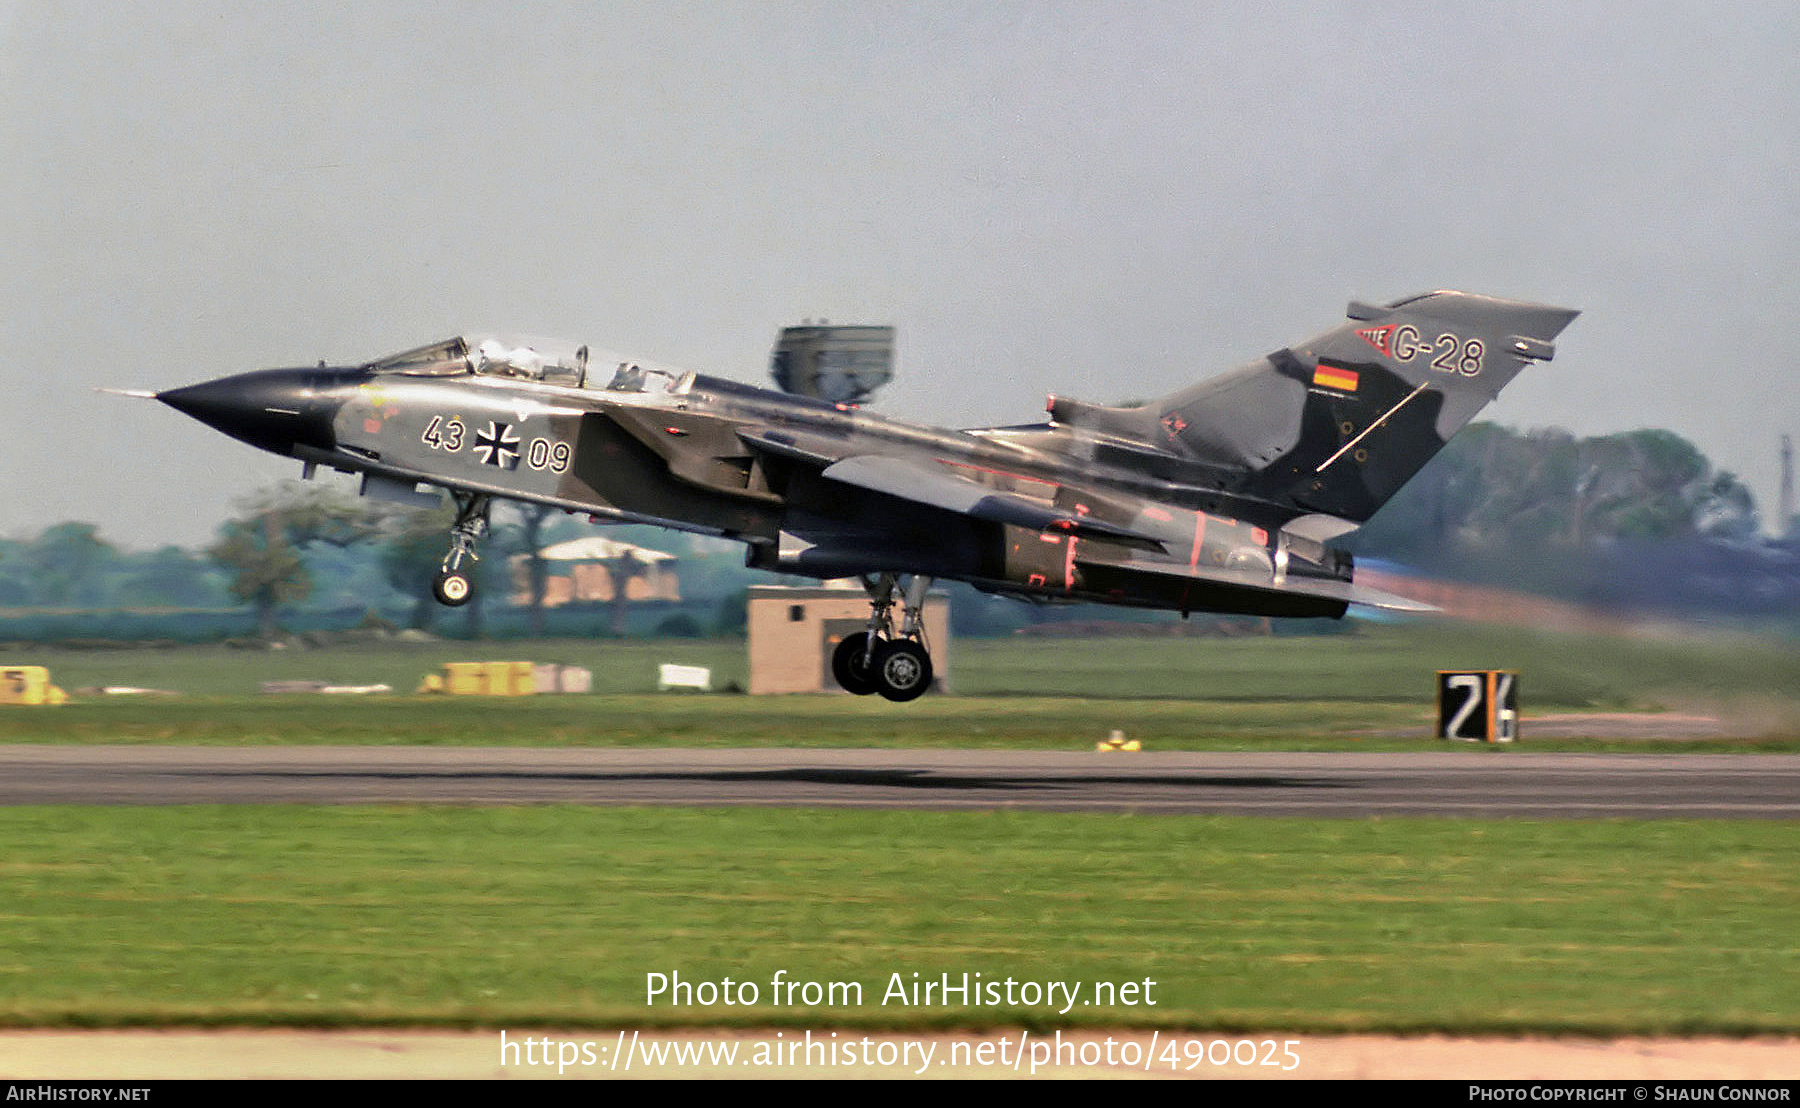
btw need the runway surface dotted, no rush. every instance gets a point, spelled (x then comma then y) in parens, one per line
(1488, 783)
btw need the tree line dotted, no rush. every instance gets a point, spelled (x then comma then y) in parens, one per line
(1541, 509)
(302, 546)
(1496, 488)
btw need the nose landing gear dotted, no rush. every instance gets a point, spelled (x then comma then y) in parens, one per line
(895, 664)
(454, 585)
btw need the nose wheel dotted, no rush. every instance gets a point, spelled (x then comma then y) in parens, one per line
(894, 663)
(452, 588)
(454, 585)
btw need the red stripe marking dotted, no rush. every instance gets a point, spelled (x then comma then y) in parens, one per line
(1000, 473)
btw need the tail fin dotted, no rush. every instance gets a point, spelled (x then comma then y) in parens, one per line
(1337, 424)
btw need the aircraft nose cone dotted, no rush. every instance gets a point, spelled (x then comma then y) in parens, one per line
(272, 409)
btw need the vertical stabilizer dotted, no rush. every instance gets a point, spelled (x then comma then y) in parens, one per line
(1335, 425)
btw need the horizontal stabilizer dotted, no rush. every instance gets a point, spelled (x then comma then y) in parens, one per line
(929, 485)
(1319, 528)
(1322, 588)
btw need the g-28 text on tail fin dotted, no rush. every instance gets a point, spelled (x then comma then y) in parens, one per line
(1335, 425)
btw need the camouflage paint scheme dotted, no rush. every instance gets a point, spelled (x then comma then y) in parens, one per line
(1219, 497)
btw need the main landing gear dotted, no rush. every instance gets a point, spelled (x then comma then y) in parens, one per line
(895, 664)
(454, 584)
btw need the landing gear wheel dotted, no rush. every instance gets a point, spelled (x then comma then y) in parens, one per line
(854, 672)
(454, 585)
(902, 670)
(452, 588)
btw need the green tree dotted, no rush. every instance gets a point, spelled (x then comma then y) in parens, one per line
(312, 513)
(14, 589)
(1726, 509)
(170, 576)
(265, 567)
(532, 518)
(262, 550)
(411, 557)
(1493, 488)
(1641, 485)
(624, 567)
(69, 564)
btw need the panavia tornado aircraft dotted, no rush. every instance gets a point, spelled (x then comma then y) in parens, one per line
(1220, 497)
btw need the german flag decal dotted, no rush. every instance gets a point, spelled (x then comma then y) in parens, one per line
(1334, 377)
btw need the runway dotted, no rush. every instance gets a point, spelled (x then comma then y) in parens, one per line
(1480, 783)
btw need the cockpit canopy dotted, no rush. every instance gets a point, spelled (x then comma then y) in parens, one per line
(551, 361)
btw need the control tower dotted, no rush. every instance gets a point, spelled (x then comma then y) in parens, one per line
(836, 363)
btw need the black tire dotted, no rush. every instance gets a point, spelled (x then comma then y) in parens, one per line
(853, 673)
(902, 670)
(453, 588)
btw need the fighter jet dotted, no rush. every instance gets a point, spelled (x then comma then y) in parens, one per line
(1220, 497)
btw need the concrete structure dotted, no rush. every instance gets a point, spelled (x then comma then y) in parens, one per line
(588, 570)
(793, 631)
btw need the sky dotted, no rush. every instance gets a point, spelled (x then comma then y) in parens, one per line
(1108, 199)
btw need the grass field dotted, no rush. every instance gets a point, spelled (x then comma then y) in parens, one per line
(1368, 691)
(555, 917)
(1375, 663)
